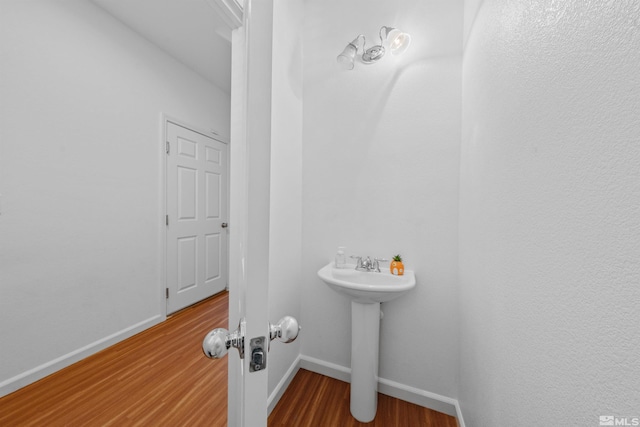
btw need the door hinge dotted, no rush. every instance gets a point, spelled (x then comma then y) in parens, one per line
(168, 146)
(167, 293)
(166, 220)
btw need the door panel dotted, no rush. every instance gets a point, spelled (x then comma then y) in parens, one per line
(186, 197)
(187, 255)
(196, 209)
(213, 182)
(213, 247)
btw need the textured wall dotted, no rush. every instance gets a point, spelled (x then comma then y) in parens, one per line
(380, 176)
(550, 213)
(81, 98)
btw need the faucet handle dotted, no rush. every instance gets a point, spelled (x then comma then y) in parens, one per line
(358, 261)
(377, 262)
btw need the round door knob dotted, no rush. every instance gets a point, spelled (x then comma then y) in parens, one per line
(286, 330)
(216, 343)
(224, 225)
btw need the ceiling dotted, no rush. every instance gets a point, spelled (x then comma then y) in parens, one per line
(191, 31)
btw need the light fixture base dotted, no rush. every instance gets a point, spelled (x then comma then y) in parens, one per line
(373, 54)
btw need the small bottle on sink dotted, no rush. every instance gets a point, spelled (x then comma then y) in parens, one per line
(341, 258)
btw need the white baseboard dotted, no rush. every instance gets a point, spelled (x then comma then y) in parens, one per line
(12, 384)
(459, 415)
(328, 369)
(419, 397)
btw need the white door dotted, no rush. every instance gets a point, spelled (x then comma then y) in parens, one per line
(250, 176)
(196, 216)
(249, 211)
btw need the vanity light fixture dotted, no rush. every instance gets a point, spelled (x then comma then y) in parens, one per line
(394, 40)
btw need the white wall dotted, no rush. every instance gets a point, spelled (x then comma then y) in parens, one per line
(550, 213)
(285, 230)
(380, 176)
(81, 98)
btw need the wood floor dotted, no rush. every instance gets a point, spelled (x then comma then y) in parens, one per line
(313, 400)
(161, 378)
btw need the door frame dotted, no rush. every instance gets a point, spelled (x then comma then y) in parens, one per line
(165, 119)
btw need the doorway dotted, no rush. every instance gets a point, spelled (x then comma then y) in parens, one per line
(196, 216)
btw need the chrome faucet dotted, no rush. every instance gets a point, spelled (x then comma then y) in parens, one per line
(368, 264)
(363, 264)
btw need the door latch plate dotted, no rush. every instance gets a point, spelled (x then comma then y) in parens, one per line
(258, 360)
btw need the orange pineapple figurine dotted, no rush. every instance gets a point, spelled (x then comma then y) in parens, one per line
(396, 266)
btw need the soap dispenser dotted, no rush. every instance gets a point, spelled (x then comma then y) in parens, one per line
(341, 258)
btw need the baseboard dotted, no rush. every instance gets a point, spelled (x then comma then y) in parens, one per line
(417, 396)
(277, 393)
(325, 368)
(414, 395)
(459, 415)
(12, 384)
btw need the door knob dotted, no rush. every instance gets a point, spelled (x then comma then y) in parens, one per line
(224, 225)
(218, 342)
(286, 330)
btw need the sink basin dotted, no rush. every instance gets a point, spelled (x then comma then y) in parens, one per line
(366, 287)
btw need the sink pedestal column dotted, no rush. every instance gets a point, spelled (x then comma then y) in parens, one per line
(365, 341)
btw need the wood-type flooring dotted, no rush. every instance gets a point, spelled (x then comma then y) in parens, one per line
(160, 377)
(314, 400)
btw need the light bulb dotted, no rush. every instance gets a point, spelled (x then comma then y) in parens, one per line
(348, 55)
(399, 43)
(396, 40)
(345, 62)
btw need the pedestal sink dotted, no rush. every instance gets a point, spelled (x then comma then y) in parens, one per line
(367, 290)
